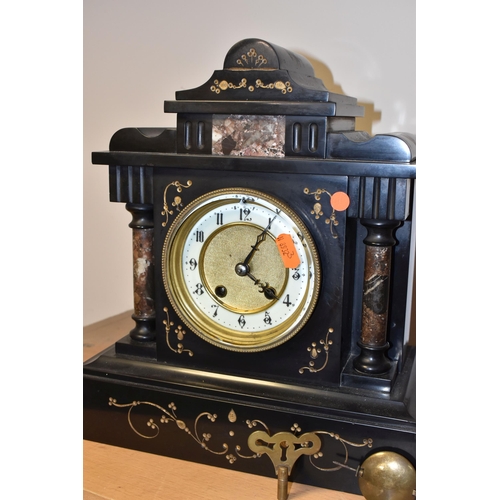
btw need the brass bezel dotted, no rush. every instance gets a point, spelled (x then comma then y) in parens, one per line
(182, 301)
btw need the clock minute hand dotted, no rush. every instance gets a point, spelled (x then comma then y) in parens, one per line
(260, 239)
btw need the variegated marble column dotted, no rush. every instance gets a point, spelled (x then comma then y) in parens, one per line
(143, 262)
(376, 287)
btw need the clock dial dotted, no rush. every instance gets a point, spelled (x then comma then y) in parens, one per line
(241, 269)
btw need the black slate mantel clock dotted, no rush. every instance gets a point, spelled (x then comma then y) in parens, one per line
(273, 256)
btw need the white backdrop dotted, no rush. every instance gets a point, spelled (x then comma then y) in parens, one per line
(137, 54)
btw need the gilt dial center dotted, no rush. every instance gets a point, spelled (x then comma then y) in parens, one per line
(222, 262)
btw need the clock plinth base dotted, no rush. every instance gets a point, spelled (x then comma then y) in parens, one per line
(196, 416)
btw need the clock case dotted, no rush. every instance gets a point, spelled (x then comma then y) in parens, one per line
(326, 379)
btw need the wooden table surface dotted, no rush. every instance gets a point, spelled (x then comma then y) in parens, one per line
(114, 473)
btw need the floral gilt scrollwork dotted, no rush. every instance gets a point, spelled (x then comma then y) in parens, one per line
(179, 332)
(278, 85)
(316, 351)
(251, 59)
(177, 201)
(338, 465)
(317, 210)
(222, 85)
(260, 438)
(169, 415)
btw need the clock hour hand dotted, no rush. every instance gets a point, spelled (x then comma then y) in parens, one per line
(268, 291)
(260, 239)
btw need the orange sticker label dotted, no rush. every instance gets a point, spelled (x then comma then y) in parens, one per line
(340, 201)
(287, 250)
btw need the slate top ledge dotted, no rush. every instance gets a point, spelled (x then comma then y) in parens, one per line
(289, 165)
(337, 108)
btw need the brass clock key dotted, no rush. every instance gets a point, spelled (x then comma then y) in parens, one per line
(284, 448)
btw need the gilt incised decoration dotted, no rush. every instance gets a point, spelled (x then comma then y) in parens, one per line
(223, 85)
(169, 415)
(317, 210)
(176, 203)
(290, 444)
(317, 352)
(179, 334)
(284, 87)
(314, 459)
(251, 59)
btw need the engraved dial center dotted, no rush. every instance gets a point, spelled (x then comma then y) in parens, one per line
(222, 262)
